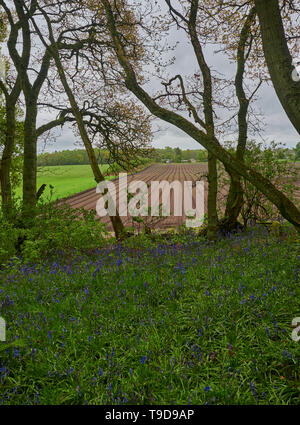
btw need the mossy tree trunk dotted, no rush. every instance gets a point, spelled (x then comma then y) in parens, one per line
(212, 197)
(30, 157)
(209, 121)
(6, 160)
(279, 59)
(235, 197)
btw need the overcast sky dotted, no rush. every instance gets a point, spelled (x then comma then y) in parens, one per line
(278, 126)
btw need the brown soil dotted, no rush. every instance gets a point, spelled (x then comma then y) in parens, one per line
(168, 172)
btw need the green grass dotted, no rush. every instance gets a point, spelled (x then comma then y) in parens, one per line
(167, 322)
(66, 179)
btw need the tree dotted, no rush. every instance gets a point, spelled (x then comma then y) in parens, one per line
(285, 206)
(297, 152)
(278, 57)
(116, 220)
(235, 26)
(235, 196)
(267, 160)
(88, 119)
(11, 93)
(62, 41)
(209, 124)
(29, 79)
(202, 156)
(14, 178)
(237, 39)
(178, 155)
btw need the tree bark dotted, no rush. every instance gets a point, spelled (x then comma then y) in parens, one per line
(279, 59)
(30, 156)
(31, 91)
(235, 197)
(212, 197)
(6, 160)
(11, 99)
(209, 122)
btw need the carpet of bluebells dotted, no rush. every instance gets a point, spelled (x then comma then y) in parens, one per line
(175, 321)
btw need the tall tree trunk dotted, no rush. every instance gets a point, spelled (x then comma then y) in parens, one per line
(234, 203)
(209, 122)
(212, 197)
(30, 157)
(6, 160)
(235, 197)
(11, 99)
(279, 59)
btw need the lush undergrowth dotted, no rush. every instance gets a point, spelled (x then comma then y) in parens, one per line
(173, 321)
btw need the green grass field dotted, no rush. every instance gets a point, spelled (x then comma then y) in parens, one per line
(66, 179)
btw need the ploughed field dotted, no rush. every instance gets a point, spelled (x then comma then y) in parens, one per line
(162, 173)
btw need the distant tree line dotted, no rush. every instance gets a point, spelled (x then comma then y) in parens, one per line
(168, 154)
(80, 156)
(71, 157)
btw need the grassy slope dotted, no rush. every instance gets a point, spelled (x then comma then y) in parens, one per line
(66, 179)
(169, 323)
